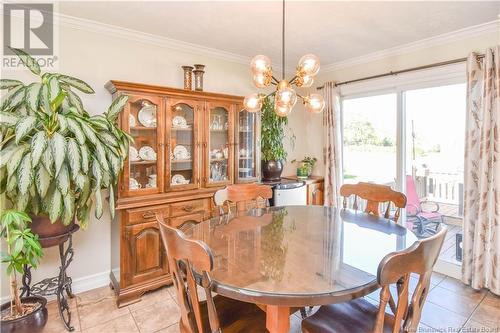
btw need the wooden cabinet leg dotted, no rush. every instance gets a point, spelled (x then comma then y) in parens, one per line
(277, 319)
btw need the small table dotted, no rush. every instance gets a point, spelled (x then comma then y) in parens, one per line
(297, 256)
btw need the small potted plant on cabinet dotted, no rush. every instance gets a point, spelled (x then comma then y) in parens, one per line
(272, 141)
(54, 157)
(27, 314)
(305, 167)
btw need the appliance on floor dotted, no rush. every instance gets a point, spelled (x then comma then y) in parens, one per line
(288, 192)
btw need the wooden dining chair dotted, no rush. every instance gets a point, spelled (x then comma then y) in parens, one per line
(361, 316)
(216, 313)
(241, 195)
(374, 194)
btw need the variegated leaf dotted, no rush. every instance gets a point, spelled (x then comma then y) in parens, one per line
(8, 118)
(28, 61)
(101, 156)
(76, 83)
(42, 181)
(15, 99)
(11, 184)
(3, 180)
(7, 98)
(63, 123)
(54, 205)
(83, 215)
(97, 173)
(108, 139)
(88, 131)
(74, 157)
(15, 159)
(44, 99)
(80, 181)
(69, 208)
(35, 204)
(24, 127)
(48, 160)
(85, 192)
(9, 83)
(33, 95)
(75, 101)
(22, 201)
(98, 203)
(112, 201)
(116, 107)
(85, 158)
(58, 148)
(114, 162)
(54, 88)
(106, 177)
(76, 129)
(24, 174)
(63, 180)
(38, 145)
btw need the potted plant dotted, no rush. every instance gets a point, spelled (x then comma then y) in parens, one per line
(305, 167)
(27, 314)
(55, 159)
(272, 141)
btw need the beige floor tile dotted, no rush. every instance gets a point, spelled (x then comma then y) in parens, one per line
(151, 298)
(488, 314)
(458, 286)
(97, 307)
(492, 300)
(295, 323)
(440, 318)
(171, 329)
(156, 316)
(474, 326)
(122, 324)
(171, 291)
(437, 278)
(54, 321)
(455, 301)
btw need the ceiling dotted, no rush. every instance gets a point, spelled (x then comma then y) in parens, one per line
(335, 31)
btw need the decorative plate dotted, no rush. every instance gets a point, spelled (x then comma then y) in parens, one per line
(179, 180)
(133, 154)
(179, 122)
(181, 153)
(147, 115)
(131, 121)
(147, 153)
(134, 184)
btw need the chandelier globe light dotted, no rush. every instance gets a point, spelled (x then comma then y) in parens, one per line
(285, 97)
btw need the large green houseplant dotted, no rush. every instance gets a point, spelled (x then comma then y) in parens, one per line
(273, 141)
(55, 159)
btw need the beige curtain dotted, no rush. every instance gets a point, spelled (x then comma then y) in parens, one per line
(332, 146)
(481, 259)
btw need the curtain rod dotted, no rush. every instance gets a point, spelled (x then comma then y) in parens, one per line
(437, 64)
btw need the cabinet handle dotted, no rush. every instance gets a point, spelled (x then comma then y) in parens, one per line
(148, 215)
(188, 208)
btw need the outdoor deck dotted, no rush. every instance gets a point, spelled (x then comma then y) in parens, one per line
(454, 223)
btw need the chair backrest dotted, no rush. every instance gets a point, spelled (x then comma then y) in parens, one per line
(396, 268)
(241, 194)
(411, 194)
(184, 256)
(374, 194)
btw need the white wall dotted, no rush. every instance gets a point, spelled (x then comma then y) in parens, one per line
(96, 59)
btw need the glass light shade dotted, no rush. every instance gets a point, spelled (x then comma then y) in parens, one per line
(309, 64)
(286, 96)
(260, 64)
(282, 110)
(307, 81)
(260, 80)
(314, 103)
(253, 103)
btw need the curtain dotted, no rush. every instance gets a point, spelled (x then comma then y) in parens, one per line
(481, 246)
(332, 146)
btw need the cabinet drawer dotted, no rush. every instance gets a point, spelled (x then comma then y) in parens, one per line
(186, 221)
(188, 207)
(140, 215)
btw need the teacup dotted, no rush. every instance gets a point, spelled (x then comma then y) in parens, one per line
(134, 184)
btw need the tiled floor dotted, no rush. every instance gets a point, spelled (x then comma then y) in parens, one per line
(450, 307)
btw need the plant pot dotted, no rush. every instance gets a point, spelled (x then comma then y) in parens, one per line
(50, 234)
(271, 170)
(33, 322)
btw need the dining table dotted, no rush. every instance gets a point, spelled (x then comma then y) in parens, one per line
(285, 258)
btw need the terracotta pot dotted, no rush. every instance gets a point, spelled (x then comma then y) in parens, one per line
(271, 170)
(31, 323)
(49, 234)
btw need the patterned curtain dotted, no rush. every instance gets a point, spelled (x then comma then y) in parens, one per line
(332, 146)
(481, 259)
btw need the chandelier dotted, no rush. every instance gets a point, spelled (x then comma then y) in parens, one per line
(285, 96)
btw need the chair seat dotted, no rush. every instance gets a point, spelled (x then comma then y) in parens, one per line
(235, 316)
(430, 215)
(357, 316)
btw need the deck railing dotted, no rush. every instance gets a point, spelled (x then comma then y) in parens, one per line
(442, 187)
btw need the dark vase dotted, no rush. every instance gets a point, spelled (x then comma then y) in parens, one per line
(271, 170)
(50, 234)
(33, 322)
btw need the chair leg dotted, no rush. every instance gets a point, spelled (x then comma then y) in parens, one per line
(303, 313)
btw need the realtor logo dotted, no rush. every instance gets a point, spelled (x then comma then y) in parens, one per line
(29, 27)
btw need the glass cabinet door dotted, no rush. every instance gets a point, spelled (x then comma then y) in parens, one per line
(219, 145)
(143, 171)
(182, 123)
(247, 146)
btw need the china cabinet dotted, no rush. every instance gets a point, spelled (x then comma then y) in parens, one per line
(187, 144)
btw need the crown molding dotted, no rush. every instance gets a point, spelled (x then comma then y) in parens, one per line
(449, 37)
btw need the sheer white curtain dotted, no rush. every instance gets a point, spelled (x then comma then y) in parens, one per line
(481, 258)
(332, 144)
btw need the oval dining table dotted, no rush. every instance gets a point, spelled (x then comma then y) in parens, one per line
(282, 258)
